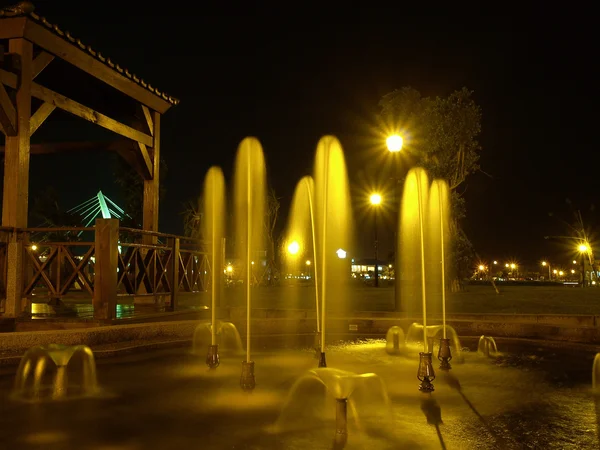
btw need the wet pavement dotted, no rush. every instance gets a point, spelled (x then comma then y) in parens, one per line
(529, 398)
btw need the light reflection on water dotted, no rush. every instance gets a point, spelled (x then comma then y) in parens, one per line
(86, 310)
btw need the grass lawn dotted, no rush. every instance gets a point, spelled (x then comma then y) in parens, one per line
(474, 299)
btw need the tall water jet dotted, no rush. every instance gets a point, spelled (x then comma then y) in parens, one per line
(249, 200)
(301, 229)
(437, 234)
(332, 219)
(214, 212)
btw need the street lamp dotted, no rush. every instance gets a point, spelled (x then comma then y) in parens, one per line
(394, 143)
(375, 200)
(584, 249)
(293, 248)
(544, 263)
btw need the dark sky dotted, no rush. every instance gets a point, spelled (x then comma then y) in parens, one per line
(289, 79)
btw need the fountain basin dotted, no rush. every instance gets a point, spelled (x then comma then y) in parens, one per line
(531, 396)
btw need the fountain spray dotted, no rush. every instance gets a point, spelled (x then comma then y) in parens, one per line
(247, 381)
(214, 189)
(444, 353)
(316, 267)
(322, 359)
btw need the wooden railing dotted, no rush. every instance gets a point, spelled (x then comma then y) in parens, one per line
(62, 262)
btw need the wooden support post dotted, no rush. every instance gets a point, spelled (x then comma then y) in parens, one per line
(105, 268)
(174, 273)
(16, 179)
(152, 186)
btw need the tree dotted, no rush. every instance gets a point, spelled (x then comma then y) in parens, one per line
(192, 219)
(272, 206)
(443, 139)
(46, 212)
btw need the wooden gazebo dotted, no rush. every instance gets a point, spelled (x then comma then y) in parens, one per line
(32, 44)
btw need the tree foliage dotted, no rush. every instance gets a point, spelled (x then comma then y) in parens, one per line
(441, 135)
(131, 186)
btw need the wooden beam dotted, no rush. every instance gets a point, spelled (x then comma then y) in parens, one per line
(72, 54)
(12, 28)
(79, 110)
(40, 62)
(40, 116)
(147, 165)
(148, 117)
(152, 187)
(60, 147)
(8, 113)
(15, 197)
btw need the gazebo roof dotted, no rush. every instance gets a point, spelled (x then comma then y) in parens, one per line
(21, 21)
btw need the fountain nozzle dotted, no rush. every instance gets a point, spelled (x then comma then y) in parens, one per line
(247, 380)
(212, 358)
(425, 374)
(341, 421)
(322, 360)
(317, 345)
(444, 354)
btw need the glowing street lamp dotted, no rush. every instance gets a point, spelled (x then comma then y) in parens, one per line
(584, 249)
(394, 143)
(293, 248)
(341, 253)
(544, 263)
(33, 247)
(375, 199)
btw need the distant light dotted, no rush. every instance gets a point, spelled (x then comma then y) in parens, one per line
(341, 253)
(495, 262)
(33, 247)
(583, 248)
(293, 248)
(394, 143)
(544, 263)
(481, 267)
(375, 199)
(308, 262)
(229, 269)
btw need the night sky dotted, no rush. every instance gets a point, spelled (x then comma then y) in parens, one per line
(289, 79)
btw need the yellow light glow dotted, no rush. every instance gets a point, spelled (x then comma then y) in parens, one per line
(574, 262)
(341, 253)
(544, 263)
(572, 271)
(375, 199)
(555, 271)
(308, 263)
(229, 269)
(394, 143)
(583, 248)
(495, 262)
(34, 247)
(481, 267)
(561, 273)
(506, 265)
(512, 266)
(293, 248)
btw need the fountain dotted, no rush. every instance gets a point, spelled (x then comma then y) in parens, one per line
(487, 346)
(319, 393)
(415, 333)
(56, 372)
(422, 246)
(214, 212)
(395, 343)
(224, 335)
(331, 227)
(301, 228)
(249, 206)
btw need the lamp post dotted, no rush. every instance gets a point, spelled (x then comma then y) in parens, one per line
(375, 200)
(394, 145)
(544, 263)
(584, 249)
